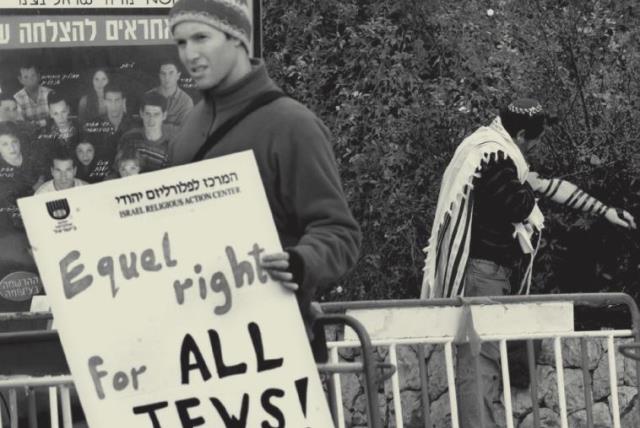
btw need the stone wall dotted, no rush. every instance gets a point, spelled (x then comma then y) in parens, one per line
(354, 398)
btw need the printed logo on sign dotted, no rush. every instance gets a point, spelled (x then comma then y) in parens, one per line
(58, 210)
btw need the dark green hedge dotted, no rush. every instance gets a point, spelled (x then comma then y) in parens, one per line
(400, 83)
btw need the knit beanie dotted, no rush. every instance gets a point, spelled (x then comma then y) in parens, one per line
(229, 16)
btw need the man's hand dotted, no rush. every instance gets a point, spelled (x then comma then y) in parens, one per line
(536, 183)
(620, 217)
(277, 266)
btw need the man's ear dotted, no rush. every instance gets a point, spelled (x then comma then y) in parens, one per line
(520, 136)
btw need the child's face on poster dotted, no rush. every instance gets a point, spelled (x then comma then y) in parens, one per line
(152, 116)
(100, 80)
(85, 153)
(169, 76)
(129, 167)
(29, 78)
(9, 147)
(63, 172)
(8, 111)
(115, 102)
(59, 112)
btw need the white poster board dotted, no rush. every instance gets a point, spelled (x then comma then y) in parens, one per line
(164, 316)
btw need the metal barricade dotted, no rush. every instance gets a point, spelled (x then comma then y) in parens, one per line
(368, 367)
(391, 325)
(33, 365)
(395, 324)
(34, 361)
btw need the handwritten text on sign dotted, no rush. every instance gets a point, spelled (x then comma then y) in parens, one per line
(166, 317)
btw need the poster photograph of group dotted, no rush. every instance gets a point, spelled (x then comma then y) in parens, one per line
(98, 83)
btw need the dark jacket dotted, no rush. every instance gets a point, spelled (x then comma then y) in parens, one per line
(499, 201)
(299, 172)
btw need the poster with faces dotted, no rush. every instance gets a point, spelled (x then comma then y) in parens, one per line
(75, 78)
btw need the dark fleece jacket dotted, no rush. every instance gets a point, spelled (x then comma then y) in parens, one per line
(298, 169)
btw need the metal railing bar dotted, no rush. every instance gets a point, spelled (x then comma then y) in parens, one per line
(337, 390)
(65, 401)
(340, 367)
(424, 387)
(395, 387)
(453, 402)
(586, 299)
(533, 386)
(613, 382)
(586, 379)
(487, 338)
(506, 382)
(13, 407)
(638, 383)
(53, 406)
(21, 381)
(562, 399)
(12, 316)
(33, 414)
(479, 383)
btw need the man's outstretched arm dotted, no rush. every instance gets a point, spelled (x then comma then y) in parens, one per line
(568, 194)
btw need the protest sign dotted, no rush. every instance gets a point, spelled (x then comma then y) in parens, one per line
(165, 316)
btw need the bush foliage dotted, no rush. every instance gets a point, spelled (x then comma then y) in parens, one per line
(400, 83)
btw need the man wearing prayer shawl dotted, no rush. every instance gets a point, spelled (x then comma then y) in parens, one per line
(487, 222)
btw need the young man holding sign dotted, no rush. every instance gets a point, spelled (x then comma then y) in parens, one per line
(243, 109)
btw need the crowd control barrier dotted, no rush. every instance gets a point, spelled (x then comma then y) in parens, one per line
(36, 389)
(395, 324)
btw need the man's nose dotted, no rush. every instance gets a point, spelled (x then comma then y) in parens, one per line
(191, 51)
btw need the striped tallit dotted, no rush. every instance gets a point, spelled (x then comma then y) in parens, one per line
(448, 248)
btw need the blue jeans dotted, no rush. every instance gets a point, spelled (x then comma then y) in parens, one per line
(476, 402)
